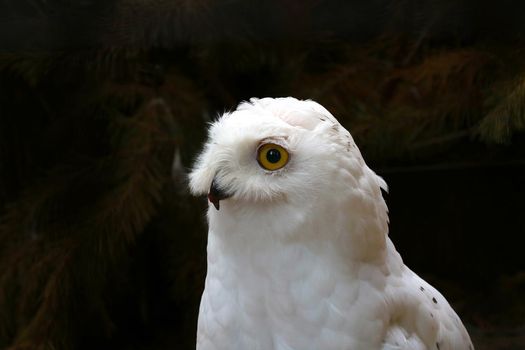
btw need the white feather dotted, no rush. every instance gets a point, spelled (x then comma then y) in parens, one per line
(300, 258)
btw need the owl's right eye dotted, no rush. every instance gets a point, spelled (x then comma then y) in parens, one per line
(272, 156)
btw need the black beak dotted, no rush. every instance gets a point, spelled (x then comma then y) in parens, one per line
(216, 195)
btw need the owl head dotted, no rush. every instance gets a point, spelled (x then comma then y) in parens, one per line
(280, 159)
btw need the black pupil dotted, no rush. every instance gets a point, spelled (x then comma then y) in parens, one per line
(273, 156)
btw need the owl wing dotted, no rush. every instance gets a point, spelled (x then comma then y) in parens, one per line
(397, 338)
(421, 318)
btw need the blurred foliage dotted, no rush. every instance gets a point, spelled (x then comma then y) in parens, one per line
(104, 104)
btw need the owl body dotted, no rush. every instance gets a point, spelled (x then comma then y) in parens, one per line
(299, 257)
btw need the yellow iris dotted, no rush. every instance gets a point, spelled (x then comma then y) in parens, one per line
(272, 157)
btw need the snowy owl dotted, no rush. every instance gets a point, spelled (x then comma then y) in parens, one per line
(298, 249)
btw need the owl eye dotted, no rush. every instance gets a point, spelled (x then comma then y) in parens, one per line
(272, 157)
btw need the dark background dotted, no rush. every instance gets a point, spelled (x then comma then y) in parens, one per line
(104, 104)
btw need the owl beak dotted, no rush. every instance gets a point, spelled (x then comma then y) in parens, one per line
(215, 195)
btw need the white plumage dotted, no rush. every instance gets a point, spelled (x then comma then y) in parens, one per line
(299, 257)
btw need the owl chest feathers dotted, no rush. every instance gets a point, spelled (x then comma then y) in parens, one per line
(290, 295)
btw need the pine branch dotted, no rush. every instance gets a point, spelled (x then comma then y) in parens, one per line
(51, 261)
(507, 117)
(67, 66)
(31, 66)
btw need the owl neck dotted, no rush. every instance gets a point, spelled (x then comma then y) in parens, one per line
(350, 233)
(242, 266)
